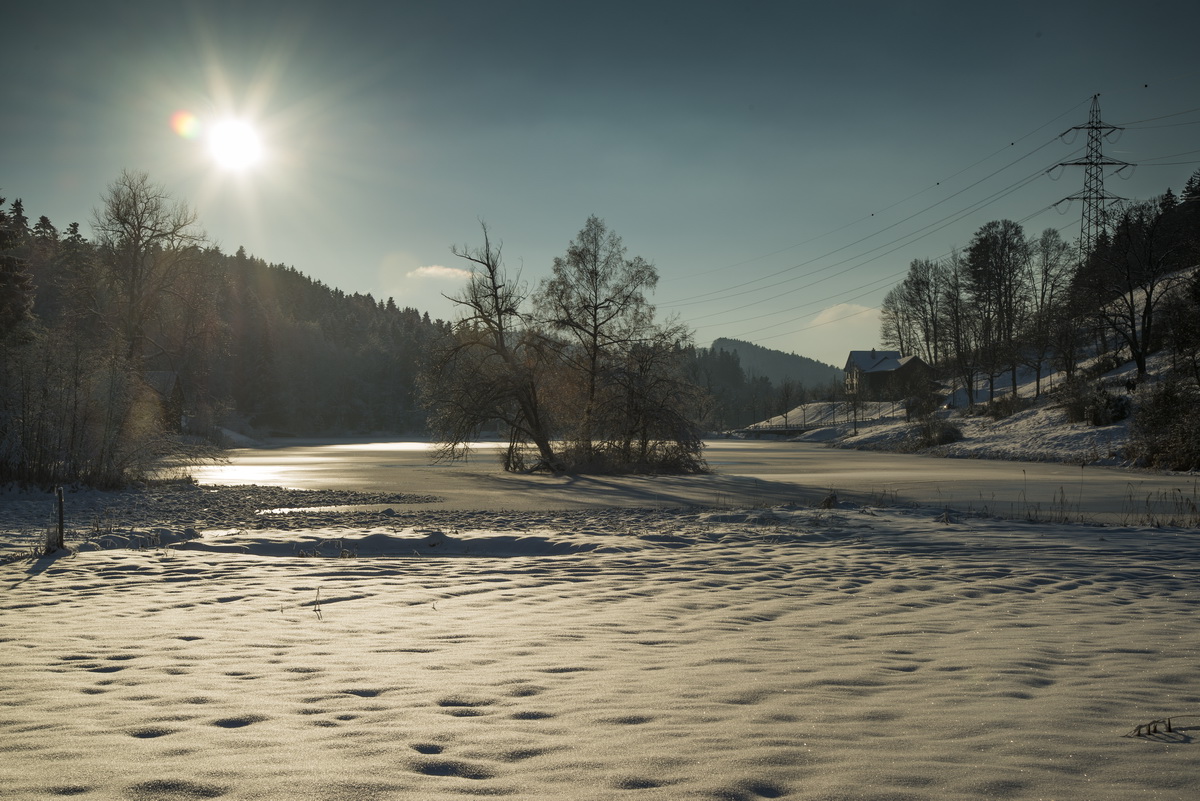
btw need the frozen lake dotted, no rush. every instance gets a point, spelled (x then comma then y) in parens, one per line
(744, 472)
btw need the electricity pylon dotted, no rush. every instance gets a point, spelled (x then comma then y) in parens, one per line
(1095, 199)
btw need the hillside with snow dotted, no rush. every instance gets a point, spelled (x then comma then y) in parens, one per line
(1040, 432)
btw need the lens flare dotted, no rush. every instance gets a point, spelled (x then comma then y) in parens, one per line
(186, 124)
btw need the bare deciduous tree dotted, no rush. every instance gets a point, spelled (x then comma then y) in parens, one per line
(912, 312)
(1048, 277)
(962, 324)
(653, 427)
(146, 243)
(591, 381)
(997, 261)
(596, 301)
(492, 366)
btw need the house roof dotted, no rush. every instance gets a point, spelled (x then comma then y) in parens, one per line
(871, 361)
(878, 361)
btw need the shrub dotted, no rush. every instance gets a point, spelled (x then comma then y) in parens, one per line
(921, 405)
(1006, 406)
(1103, 364)
(70, 412)
(647, 457)
(1166, 426)
(933, 431)
(1091, 403)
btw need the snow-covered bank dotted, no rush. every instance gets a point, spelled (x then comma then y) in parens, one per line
(1040, 434)
(178, 511)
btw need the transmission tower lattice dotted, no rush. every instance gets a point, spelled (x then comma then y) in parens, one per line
(1095, 200)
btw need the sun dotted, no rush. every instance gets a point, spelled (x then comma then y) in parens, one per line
(235, 144)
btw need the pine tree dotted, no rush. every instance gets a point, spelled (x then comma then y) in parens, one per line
(1168, 201)
(18, 223)
(16, 285)
(1191, 190)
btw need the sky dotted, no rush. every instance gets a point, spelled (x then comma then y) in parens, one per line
(781, 164)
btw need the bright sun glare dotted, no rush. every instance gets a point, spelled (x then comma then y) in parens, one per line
(234, 144)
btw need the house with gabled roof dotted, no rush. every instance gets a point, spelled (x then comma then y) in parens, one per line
(883, 374)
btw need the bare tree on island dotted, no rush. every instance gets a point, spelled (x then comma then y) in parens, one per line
(653, 426)
(590, 380)
(628, 397)
(492, 366)
(596, 302)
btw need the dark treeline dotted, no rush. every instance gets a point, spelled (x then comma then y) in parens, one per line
(137, 343)
(779, 366)
(736, 396)
(145, 341)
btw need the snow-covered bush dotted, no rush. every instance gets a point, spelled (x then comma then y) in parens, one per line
(932, 431)
(1166, 426)
(1086, 402)
(1006, 406)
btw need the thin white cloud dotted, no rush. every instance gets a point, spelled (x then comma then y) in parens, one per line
(837, 330)
(440, 273)
(847, 312)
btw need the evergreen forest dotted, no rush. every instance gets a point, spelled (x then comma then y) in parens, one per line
(145, 341)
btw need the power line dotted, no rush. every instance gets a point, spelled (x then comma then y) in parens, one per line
(746, 287)
(900, 242)
(1172, 156)
(869, 289)
(726, 293)
(863, 289)
(1132, 123)
(690, 300)
(1097, 131)
(1166, 125)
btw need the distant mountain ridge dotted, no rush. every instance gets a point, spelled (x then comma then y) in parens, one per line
(777, 365)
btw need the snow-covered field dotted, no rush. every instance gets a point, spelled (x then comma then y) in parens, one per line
(362, 650)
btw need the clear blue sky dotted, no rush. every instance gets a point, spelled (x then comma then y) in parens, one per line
(780, 163)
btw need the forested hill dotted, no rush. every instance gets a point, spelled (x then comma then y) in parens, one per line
(242, 340)
(304, 357)
(779, 366)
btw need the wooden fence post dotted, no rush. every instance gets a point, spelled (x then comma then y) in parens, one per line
(60, 542)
